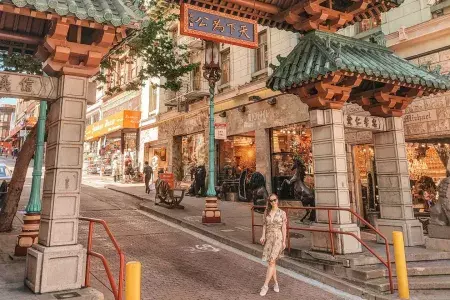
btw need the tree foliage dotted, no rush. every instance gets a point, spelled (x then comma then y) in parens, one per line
(161, 56)
(21, 63)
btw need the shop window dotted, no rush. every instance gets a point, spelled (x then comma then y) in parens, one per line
(261, 62)
(153, 97)
(225, 60)
(287, 144)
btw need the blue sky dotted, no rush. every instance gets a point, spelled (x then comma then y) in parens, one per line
(8, 100)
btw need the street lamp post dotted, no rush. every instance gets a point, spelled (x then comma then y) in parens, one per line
(211, 72)
(32, 217)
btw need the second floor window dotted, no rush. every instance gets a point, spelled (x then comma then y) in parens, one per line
(225, 59)
(197, 78)
(261, 52)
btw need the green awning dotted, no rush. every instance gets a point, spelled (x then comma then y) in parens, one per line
(319, 53)
(112, 12)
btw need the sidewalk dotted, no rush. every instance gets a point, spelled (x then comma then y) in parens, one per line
(235, 231)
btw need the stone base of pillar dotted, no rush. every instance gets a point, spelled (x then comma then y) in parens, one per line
(343, 244)
(412, 231)
(211, 213)
(52, 269)
(29, 234)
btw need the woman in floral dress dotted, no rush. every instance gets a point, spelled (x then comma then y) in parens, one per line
(274, 241)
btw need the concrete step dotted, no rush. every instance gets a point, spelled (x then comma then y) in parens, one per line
(415, 283)
(419, 268)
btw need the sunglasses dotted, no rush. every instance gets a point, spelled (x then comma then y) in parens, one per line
(273, 200)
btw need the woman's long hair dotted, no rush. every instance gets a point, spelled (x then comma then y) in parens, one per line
(269, 205)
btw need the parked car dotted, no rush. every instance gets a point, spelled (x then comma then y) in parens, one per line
(5, 179)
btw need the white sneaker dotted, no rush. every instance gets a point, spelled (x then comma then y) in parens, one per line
(264, 290)
(276, 288)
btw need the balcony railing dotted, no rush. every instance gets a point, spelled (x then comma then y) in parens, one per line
(193, 88)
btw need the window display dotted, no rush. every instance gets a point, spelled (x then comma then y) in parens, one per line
(193, 154)
(289, 143)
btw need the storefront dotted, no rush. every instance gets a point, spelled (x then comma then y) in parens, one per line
(287, 144)
(193, 154)
(277, 133)
(236, 153)
(113, 137)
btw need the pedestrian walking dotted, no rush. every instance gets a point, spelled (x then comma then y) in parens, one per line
(148, 172)
(115, 169)
(274, 240)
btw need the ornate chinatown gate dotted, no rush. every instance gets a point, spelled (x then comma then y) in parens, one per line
(70, 38)
(326, 70)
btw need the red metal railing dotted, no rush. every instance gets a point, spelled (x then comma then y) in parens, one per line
(118, 292)
(331, 231)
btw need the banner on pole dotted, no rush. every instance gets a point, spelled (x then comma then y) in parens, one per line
(220, 131)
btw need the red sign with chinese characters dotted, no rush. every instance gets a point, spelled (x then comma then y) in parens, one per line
(219, 27)
(169, 178)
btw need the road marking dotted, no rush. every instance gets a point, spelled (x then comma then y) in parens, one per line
(227, 230)
(285, 271)
(201, 248)
(193, 218)
(243, 228)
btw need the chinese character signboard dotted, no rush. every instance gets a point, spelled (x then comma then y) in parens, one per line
(218, 27)
(365, 122)
(220, 131)
(29, 87)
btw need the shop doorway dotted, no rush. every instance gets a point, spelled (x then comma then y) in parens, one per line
(236, 154)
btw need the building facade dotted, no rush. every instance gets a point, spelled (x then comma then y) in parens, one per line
(112, 123)
(25, 117)
(6, 115)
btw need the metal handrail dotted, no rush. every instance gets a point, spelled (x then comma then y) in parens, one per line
(331, 231)
(118, 292)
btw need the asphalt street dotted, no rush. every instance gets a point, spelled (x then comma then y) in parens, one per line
(176, 263)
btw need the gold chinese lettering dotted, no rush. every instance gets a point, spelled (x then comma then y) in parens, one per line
(232, 27)
(200, 21)
(243, 31)
(217, 26)
(5, 85)
(26, 85)
(191, 20)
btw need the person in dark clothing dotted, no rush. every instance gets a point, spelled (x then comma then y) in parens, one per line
(148, 172)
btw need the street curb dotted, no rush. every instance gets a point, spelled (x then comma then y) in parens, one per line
(287, 263)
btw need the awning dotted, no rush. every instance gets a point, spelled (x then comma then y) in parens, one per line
(30, 122)
(126, 119)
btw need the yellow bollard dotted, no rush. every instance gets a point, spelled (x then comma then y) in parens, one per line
(133, 281)
(400, 265)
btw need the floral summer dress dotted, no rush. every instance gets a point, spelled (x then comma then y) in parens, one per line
(273, 248)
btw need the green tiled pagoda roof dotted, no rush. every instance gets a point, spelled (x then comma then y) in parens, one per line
(113, 12)
(320, 53)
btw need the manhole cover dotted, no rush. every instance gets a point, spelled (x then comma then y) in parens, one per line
(68, 295)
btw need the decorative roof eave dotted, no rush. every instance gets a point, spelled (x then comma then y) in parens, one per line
(130, 17)
(319, 78)
(296, 16)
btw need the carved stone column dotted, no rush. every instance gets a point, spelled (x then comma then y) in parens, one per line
(331, 181)
(393, 185)
(57, 262)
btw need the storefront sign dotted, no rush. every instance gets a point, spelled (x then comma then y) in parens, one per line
(30, 122)
(23, 133)
(219, 27)
(169, 178)
(419, 117)
(220, 131)
(364, 122)
(121, 120)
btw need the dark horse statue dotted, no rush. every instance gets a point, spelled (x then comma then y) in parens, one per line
(301, 191)
(257, 187)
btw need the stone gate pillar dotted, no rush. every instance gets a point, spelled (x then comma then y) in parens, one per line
(393, 185)
(57, 262)
(331, 181)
